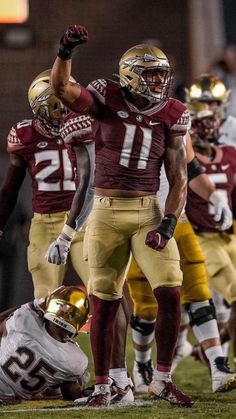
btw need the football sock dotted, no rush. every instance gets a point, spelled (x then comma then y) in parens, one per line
(167, 325)
(119, 375)
(101, 335)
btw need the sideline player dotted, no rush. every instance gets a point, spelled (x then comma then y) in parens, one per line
(36, 146)
(195, 292)
(140, 127)
(219, 248)
(210, 89)
(37, 347)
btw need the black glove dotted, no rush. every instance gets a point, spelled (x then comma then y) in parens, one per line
(75, 35)
(158, 239)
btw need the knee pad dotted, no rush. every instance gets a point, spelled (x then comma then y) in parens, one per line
(203, 313)
(144, 328)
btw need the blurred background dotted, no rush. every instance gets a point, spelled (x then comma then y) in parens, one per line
(196, 35)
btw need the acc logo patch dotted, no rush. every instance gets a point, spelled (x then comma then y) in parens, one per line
(42, 144)
(123, 114)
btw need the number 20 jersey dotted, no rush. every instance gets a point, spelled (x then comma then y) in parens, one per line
(46, 157)
(221, 171)
(130, 143)
(31, 359)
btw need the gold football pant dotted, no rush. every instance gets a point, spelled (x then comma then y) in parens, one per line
(46, 276)
(220, 252)
(195, 282)
(118, 226)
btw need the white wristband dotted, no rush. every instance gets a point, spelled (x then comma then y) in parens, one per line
(69, 231)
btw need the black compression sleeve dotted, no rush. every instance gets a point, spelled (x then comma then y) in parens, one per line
(194, 169)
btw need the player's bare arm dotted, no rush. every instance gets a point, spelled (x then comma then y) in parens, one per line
(176, 171)
(72, 390)
(81, 205)
(3, 318)
(66, 91)
(83, 197)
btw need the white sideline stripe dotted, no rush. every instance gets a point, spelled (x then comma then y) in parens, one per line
(136, 403)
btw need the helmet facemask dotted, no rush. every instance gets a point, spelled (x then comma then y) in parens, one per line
(145, 71)
(205, 130)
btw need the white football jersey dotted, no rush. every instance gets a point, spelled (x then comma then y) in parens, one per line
(228, 131)
(31, 359)
(164, 188)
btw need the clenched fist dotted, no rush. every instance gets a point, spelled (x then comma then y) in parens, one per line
(74, 35)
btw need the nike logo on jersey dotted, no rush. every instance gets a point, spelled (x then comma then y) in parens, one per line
(225, 166)
(154, 123)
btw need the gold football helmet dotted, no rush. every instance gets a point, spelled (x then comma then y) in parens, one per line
(41, 99)
(67, 307)
(146, 58)
(209, 89)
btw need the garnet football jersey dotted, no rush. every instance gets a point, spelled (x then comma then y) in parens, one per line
(51, 173)
(32, 360)
(130, 144)
(221, 171)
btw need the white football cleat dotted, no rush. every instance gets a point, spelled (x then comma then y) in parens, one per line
(119, 395)
(222, 378)
(142, 376)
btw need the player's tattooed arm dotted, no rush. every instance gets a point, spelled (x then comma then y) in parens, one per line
(81, 206)
(83, 198)
(176, 171)
(73, 95)
(175, 162)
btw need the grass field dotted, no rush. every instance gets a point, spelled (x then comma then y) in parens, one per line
(190, 376)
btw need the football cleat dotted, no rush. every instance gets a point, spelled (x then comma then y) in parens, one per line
(223, 379)
(181, 352)
(119, 395)
(142, 376)
(166, 390)
(100, 397)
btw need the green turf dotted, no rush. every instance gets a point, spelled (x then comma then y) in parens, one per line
(191, 377)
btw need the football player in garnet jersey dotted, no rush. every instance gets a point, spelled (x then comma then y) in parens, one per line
(140, 128)
(195, 293)
(37, 146)
(37, 347)
(219, 248)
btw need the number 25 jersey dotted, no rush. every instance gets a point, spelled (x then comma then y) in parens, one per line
(31, 359)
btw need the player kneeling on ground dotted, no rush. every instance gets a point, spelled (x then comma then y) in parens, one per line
(38, 352)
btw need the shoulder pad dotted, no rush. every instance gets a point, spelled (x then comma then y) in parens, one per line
(79, 126)
(13, 141)
(98, 89)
